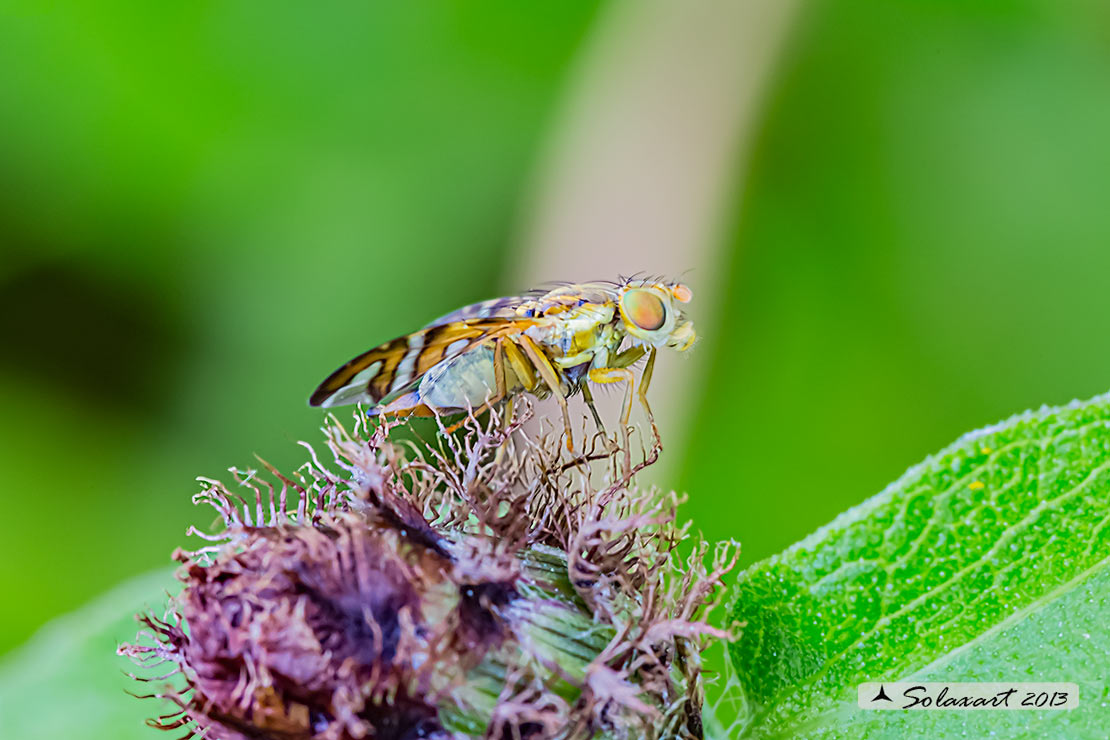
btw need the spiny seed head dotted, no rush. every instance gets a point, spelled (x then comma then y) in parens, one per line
(484, 588)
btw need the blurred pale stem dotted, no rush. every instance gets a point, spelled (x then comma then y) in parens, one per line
(646, 153)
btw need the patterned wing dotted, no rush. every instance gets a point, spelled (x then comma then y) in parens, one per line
(504, 308)
(535, 303)
(395, 367)
(570, 296)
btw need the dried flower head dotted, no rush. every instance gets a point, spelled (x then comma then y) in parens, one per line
(484, 588)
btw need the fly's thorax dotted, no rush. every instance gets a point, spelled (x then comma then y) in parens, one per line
(573, 331)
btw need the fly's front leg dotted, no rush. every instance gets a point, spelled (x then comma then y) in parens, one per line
(629, 357)
(617, 375)
(551, 378)
(645, 381)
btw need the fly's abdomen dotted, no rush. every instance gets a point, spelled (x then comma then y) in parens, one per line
(463, 383)
(469, 380)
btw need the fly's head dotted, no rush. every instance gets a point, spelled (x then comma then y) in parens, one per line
(651, 313)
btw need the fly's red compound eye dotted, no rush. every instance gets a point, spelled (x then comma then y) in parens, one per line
(644, 309)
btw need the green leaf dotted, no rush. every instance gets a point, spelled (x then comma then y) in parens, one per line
(986, 562)
(67, 681)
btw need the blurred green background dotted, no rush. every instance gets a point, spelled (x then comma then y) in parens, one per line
(206, 207)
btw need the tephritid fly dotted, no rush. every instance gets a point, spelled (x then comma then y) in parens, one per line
(543, 343)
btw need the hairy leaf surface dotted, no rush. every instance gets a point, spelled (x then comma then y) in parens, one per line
(986, 562)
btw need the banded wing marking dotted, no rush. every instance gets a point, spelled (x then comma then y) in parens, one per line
(394, 368)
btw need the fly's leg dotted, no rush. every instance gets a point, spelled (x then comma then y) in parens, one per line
(627, 358)
(502, 386)
(617, 375)
(519, 365)
(551, 378)
(645, 381)
(503, 392)
(588, 396)
(522, 373)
